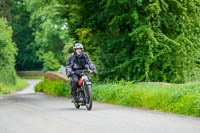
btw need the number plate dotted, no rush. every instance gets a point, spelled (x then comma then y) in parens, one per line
(88, 83)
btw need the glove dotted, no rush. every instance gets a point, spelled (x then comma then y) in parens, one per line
(95, 73)
(68, 74)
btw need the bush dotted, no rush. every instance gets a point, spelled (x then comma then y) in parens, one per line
(57, 87)
(180, 99)
(175, 99)
(8, 51)
(1, 87)
(6, 89)
(8, 75)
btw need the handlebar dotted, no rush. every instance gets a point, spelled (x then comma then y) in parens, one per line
(81, 71)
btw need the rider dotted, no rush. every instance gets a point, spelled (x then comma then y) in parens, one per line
(78, 60)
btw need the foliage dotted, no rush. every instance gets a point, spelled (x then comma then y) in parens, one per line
(58, 87)
(50, 63)
(18, 17)
(180, 99)
(8, 52)
(68, 48)
(1, 86)
(50, 31)
(23, 36)
(139, 40)
(6, 89)
(5, 9)
(134, 40)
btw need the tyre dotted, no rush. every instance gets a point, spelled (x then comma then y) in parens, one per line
(88, 97)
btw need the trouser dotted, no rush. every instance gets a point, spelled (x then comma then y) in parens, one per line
(74, 84)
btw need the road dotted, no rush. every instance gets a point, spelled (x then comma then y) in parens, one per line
(29, 112)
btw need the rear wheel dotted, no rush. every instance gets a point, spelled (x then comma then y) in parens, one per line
(89, 97)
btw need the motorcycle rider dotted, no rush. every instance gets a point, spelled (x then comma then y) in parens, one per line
(78, 60)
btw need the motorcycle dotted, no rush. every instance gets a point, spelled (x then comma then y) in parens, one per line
(84, 90)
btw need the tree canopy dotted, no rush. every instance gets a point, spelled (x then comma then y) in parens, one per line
(136, 40)
(142, 40)
(8, 51)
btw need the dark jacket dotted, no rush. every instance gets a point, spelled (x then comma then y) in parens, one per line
(75, 62)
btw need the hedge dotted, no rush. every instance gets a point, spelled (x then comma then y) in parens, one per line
(179, 99)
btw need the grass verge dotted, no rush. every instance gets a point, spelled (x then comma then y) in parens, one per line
(183, 99)
(179, 99)
(6, 89)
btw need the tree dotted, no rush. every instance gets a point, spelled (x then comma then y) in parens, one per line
(142, 40)
(50, 30)
(8, 52)
(18, 17)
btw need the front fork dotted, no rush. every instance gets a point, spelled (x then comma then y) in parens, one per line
(86, 91)
(82, 91)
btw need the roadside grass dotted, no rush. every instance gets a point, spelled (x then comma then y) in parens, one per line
(6, 89)
(33, 77)
(179, 99)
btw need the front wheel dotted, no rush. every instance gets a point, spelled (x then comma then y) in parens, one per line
(89, 97)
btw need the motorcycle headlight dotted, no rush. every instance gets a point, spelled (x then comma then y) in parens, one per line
(85, 77)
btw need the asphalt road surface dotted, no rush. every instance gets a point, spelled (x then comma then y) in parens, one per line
(29, 112)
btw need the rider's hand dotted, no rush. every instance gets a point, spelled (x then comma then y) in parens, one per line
(68, 74)
(70, 78)
(95, 73)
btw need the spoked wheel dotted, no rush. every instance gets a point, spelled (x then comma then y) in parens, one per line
(89, 97)
(76, 105)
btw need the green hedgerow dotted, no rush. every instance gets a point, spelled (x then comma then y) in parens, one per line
(184, 99)
(58, 87)
(180, 99)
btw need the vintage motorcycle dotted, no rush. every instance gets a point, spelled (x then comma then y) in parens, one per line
(84, 90)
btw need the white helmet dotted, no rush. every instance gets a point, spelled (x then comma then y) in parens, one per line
(78, 45)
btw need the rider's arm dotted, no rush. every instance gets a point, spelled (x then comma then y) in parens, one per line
(90, 63)
(69, 64)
